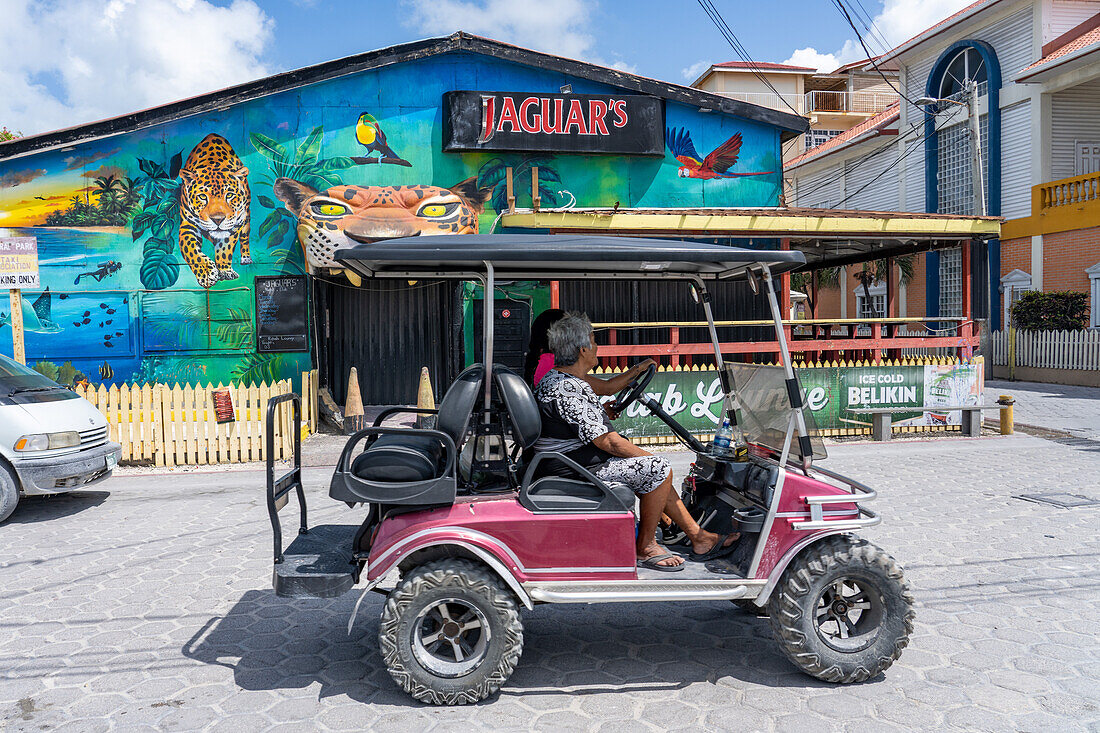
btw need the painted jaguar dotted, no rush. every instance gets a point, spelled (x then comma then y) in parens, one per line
(345, 215)
(214, 203)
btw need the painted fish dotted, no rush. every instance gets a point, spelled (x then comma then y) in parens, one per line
(86, 321)
(102, 305)
(110, 311)
(106, 372)
(108, 344)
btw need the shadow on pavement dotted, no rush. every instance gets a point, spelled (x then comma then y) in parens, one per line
(43, 508)
(273, 643)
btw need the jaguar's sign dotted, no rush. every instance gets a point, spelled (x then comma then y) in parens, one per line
(560, 123)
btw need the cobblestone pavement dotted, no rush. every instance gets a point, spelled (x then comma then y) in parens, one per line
(146, 605)
(1070, 409)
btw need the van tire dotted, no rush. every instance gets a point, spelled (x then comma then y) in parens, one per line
(458, 586)
(9, 492)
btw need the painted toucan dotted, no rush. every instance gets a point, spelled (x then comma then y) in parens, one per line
(369, 134)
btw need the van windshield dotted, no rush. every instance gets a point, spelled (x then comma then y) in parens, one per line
(16, 378)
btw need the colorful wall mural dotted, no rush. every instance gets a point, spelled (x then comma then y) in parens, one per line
(150, 241)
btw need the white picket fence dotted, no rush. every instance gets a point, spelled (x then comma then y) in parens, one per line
(1048, 349)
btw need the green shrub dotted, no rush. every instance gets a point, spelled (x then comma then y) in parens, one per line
(1060, 310)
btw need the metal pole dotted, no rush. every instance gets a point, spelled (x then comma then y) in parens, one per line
(793, 392)
(487, 332)
(978, 176)
(719, 364)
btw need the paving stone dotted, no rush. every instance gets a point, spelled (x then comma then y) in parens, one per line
(177, 629)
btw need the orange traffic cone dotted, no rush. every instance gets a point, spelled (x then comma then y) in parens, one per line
(354, 419)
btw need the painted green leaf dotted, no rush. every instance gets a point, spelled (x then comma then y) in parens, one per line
(267, 147)
(159, 270)
(338, 163)
(269, 222)
(310, 147)
(175, 165)
(265, 201)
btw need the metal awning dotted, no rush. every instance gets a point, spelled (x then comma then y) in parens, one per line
(827, 237)
(539, 257)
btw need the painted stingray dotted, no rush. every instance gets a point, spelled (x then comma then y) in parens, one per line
(36, 316)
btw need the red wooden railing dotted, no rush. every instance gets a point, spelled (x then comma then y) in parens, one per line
(817, 340)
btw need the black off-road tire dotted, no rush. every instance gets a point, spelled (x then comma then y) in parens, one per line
(750, 607)
(427, 586)
(9, 492)
(794, 606)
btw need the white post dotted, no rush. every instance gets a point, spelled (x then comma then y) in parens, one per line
(978, 175)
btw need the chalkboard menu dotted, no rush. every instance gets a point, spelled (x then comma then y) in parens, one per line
(281, 304)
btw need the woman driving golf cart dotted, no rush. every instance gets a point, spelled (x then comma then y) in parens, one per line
(574, 423)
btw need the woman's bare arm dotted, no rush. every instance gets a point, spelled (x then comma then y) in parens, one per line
(615, 384)
(618, 446)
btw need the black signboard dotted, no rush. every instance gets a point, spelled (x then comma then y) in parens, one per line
(627, 124)
(281, 304)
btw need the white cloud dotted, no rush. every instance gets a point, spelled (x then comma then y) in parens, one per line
(898, 21)
(691, 73)
(74, 61)
(559, 28)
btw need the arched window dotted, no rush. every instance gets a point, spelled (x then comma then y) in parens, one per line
(967, 66)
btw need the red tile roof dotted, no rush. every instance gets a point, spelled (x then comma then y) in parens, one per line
(762, 65)
(1083, 41)
(880, 121)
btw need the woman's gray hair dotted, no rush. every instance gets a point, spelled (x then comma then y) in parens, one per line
(567, 336)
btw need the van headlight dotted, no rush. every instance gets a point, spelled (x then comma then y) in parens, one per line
(48, 441)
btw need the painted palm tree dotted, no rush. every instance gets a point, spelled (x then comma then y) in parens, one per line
(130, 193)
(108, 190)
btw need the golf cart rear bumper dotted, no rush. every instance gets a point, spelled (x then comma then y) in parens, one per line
(66, 473)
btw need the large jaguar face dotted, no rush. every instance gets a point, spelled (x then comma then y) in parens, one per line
(214, 199)
(343, 216)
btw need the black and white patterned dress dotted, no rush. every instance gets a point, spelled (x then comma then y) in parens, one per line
(573, 417)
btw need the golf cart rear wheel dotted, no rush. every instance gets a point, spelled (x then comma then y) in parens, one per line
(450, 633)
(842, 611)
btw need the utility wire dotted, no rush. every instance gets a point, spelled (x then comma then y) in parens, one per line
(731, 38)
(844, 11)
(867, 156)
(913, 146)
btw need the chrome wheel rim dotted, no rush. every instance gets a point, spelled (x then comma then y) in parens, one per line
(848, 615)
(450, 637)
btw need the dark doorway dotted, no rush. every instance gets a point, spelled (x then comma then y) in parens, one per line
(388, 330)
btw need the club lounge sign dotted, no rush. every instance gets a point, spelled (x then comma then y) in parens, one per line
(561, 123)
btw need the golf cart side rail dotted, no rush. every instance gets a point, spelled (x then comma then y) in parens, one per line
(859, 494)
(279, 488)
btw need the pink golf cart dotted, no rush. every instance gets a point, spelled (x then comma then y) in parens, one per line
(477, 532)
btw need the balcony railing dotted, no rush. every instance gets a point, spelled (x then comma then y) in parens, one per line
(857, 102)
(819, 101)
(770, 100)
(1059, 206)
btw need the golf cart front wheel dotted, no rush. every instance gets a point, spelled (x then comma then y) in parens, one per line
(842, 611)
(450, 633)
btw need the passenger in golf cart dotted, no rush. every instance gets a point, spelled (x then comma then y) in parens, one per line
(575, 424)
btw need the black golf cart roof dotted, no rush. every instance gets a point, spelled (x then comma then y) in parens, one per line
(557, 257)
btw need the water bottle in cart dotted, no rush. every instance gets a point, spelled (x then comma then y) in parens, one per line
(723, 438)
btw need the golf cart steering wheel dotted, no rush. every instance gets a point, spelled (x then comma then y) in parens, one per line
(631, 392)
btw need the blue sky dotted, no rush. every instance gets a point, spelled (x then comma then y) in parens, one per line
(67, 62)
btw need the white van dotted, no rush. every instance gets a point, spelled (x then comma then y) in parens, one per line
(51, 439)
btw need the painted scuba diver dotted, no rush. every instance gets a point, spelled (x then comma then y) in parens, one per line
(715, 165)
(105, 269)
(36, 316)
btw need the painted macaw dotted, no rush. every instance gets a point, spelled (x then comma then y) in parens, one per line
(369, 134)
(715, 165)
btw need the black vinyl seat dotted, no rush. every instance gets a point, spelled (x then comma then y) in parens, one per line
(400, 458)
